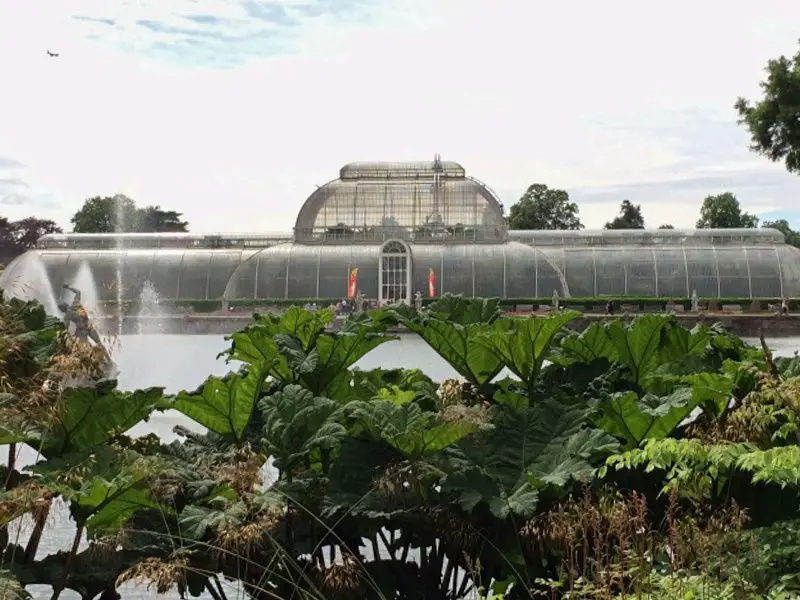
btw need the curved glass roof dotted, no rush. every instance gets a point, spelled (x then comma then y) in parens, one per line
(648, 237)
(102, 241)
(514, 269)
(400, 170)
(424, 202)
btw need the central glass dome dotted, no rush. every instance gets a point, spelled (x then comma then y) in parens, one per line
(423, 202)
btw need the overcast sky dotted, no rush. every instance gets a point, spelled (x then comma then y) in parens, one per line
(231, 111)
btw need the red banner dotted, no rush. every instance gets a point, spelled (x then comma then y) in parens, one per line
(431, 283)
(352, 285)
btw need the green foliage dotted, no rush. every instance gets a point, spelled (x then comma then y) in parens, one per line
(791, 236)
(630, 217)
(722, 211)
(772, 121)
(543, 208)
(18, 236)
(224, 404)
(119, 214)
(452, 326)
(620, 459)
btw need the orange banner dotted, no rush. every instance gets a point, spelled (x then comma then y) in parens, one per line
(352, 285)
(431, 283)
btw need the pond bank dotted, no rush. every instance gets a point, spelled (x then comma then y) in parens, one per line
(741, 324)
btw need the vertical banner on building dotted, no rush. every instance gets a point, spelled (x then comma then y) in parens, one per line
(431, 283)
(352, 284)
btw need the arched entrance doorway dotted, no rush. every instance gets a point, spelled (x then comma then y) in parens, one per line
(395, 273)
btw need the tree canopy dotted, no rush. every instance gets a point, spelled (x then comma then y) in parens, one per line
(782, 225)
(18, 236)
(543, 208)
(773, 121)
(119, 214)
(722, 211)
(630, 217)
(666, 226)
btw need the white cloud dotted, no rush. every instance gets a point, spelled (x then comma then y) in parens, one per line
(612, 101)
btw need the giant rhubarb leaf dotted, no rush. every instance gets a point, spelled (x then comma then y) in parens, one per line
(640, 346)
(296, 424)
(529, 448)
(224, 404)
(451, 326)
(90, 416)
(525, 345)
(407, 428)
(456, 343)
(626, 416)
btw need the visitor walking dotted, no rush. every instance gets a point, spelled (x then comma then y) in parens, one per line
(610, 307)
(785, 306)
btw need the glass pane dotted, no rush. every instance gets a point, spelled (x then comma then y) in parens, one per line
(194, 274)
(488, 270)
(579, 271)
(734, 277)
(520, 269)
(223, 265)
(702, 271)
(456, 276)
(671, 273)
(303, 264)
(765, 272)
(136, 268)
(610, 271)
(641, 272)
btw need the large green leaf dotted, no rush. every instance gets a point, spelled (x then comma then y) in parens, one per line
(105, 487)
(626, 416)
(788, 367)
(525, 345)
(407, 428)
(465, 311)
(585, 347)
(712, 391)
(643, 346)
(90, 416)
(338, 351)
(451, 325)
(457, 344)
(224, 404)
(296, 423)
(638, 345)
(256, 344)
(531, 447)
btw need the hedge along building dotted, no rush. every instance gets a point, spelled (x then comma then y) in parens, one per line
(399, 225)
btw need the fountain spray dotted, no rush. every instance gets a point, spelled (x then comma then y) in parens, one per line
(119, 227)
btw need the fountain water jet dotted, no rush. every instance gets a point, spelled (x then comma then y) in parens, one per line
(119, 226)
(151, 315)
(35, 285)
(84, 281)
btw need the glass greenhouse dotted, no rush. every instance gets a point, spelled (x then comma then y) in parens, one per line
(396, 227)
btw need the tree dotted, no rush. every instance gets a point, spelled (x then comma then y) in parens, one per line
(119, 214)
(18, 236)
(666, 226)
(782, 225)
(27, 231)
(722, 211)
(154, 219)
(630, 217)
(773, 121)
(543, 208)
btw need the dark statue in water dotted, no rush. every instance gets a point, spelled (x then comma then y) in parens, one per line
(77, 314)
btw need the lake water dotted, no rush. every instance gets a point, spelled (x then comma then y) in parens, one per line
(178, 362)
